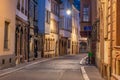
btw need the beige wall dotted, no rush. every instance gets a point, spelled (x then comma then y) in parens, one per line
(75, 31)
(51, 47)
(7, 13)
(109, 31)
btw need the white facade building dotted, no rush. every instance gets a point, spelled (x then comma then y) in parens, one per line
(48, 26)
(75, 36)
(65, 27)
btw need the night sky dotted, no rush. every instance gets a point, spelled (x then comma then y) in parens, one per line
(77, 4)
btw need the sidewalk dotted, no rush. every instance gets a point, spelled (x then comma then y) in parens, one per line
(21, 66)
(93, 73)
(90, 72)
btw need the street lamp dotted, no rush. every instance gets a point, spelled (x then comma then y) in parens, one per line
(68, 12)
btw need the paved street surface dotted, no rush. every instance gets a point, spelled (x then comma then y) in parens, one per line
(93, 73)
(65, 68)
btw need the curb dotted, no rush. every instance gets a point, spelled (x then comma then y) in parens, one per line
(83, 59)
(85, 76)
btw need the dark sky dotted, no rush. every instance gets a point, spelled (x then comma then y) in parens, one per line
(77, 4)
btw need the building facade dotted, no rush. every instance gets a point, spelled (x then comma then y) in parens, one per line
(75, 35)
(34, 37)
(65, 27)
(36, 28)
(85, 23)
(21, 31)
(108, 55)
(49, 26)
(88, 27)
(7, 32)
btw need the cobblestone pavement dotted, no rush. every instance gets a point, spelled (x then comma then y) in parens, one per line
(64, 68)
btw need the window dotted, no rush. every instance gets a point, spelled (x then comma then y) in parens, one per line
(68, 43)
(53, 41)
(22, 6)
(61, 23)
(55, 8)
(34, 12)
(48, 16)
(55, 27)
(6, 35)
(45, 44)
(86, 13)
(18, 5)
(26, 7)
(62, 6)
(58, 10)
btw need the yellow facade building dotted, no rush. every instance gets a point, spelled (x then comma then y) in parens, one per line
(7, 33)
(108, 50)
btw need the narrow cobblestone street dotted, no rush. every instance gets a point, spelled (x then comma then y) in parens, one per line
(62, 68)
(66, 68)
(59, 40)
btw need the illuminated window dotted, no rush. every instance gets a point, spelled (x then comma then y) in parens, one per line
(86, 13)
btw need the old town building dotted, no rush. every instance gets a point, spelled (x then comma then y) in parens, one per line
(21, 31)
(34, 37)
(7, 32)
(75, 35)
(36, 28)
(115, 36)
(85, 24)
(49, 26)
(88, 26)
(108, 58)
(54, 25)
(65, 27)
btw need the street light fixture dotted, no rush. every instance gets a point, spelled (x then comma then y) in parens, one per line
(68, 12)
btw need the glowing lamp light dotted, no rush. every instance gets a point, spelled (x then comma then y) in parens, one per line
(68, 12)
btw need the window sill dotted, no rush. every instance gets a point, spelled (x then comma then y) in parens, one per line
(6, 49)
